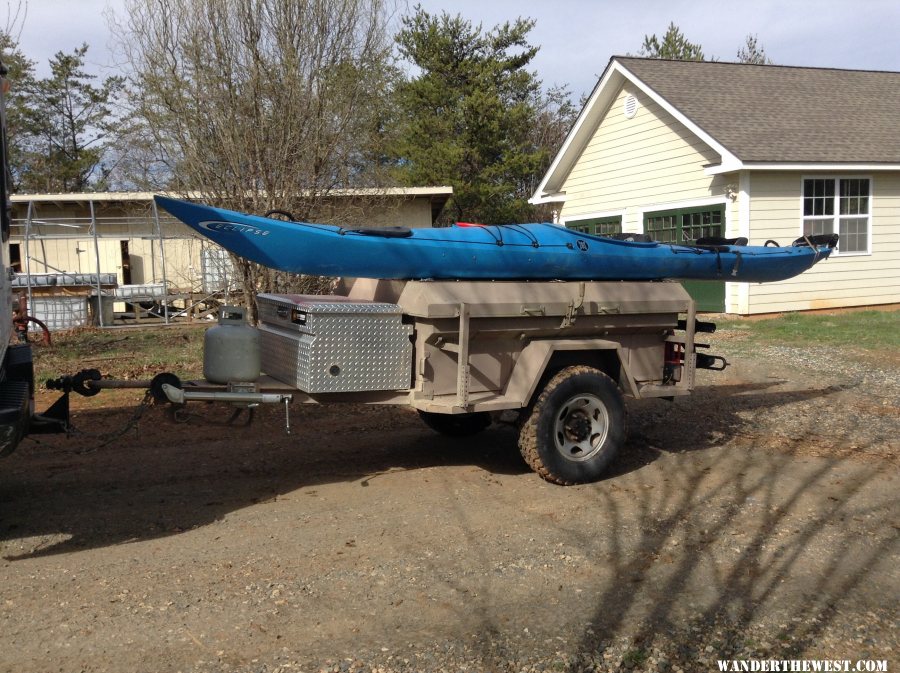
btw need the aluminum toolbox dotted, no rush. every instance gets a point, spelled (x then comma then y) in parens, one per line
(331, 344)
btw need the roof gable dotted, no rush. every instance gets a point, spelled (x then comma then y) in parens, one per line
(754, 114)
(784, 114)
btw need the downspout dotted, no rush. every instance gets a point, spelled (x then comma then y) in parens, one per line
(743, 289)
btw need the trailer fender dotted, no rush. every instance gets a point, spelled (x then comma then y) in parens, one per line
(532, 363)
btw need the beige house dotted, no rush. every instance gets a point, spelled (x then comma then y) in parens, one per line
(125, 235)
(681, 149)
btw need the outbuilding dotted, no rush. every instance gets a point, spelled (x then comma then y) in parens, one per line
(119, 254)
(124, 234)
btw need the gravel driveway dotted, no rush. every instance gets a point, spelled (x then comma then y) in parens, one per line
(756, 519)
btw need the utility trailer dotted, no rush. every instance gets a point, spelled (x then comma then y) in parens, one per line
(555, 358)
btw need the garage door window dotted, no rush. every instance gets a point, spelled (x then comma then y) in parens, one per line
(598, 226)
(684, 226)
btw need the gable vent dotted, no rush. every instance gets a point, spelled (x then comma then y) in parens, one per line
(630, 106)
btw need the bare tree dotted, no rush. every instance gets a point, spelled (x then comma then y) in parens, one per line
(260, 104)
(753, 52)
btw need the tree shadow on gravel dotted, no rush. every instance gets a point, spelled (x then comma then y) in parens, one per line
(757, 554)
(742, 552)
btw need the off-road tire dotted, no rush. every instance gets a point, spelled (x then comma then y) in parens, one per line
(456, 425)
(580, 407)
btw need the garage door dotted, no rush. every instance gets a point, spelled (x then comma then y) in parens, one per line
(686, 225)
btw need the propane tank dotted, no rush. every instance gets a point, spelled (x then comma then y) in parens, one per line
(231, 349)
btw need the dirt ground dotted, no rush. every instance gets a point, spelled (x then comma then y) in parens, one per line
(756, 519)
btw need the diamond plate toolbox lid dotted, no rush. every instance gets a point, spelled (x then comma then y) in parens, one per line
(293, 311)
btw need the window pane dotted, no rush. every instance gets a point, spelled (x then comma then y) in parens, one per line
(662, 228)
(609, 227)
(854, 234)
(854, 197)
(818, 197)
(701, 224)
(807, 207)
(818, 226)
(853, 210)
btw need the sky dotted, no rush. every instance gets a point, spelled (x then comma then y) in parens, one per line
(576, 37)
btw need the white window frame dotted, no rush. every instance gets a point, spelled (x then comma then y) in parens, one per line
(837, 211)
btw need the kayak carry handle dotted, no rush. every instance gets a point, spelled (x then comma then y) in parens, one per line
(817, 240)
(283, 213)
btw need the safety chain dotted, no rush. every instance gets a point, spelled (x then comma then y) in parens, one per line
(109, 437)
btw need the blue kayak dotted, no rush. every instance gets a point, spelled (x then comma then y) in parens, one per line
(538, 251)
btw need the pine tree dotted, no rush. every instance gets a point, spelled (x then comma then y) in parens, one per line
(674, 45)
(468, 117)
(21, 78)
(66, 124)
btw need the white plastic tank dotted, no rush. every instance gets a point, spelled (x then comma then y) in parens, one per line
(231, 348)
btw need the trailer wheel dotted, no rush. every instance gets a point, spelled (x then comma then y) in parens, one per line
(456, 425)
(575, 427)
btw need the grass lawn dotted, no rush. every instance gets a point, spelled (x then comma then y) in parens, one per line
(132, 353)
(856, 330)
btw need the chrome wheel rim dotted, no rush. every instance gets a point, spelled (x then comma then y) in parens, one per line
(581, 427)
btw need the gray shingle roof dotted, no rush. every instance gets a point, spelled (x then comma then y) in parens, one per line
(783, 114)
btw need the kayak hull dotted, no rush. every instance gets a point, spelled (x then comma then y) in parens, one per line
(539, 251)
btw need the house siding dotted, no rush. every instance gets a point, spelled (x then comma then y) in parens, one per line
(640, 164)
(850, 280)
